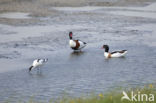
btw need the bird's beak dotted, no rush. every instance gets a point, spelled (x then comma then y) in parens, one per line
(101, 47)
(30, 68)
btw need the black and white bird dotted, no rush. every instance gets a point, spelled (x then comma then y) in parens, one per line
(75, 44)
(37, 63)
(108, 54)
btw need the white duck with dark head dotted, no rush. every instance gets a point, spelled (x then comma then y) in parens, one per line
(75, 44)
(108, 54)
(37, 63)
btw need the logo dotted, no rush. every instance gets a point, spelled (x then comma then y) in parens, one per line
(125, 96)
(137, 96)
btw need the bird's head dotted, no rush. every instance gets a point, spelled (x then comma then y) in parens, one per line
(70, 35)
(106, 47)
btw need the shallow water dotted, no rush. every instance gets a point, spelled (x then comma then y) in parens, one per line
(15, 15)
(76, 73)
(80, 73)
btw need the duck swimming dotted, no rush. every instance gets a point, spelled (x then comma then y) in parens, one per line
(108, 54)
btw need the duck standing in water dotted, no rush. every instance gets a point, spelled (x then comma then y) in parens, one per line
(37, 63)
(75, 44)
(107, 54)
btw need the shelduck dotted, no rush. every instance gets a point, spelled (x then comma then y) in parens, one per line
(37, 63)
(75, 44)
(107, 54)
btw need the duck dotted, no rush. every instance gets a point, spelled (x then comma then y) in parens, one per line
(108, 54)
(76, 44)
(37, 63)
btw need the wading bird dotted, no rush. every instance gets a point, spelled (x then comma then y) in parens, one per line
(38, 63)
(75, 44)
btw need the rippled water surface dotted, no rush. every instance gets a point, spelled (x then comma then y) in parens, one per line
(75, 73)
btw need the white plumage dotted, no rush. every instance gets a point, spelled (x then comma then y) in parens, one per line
(38, 63)
(72, 43)
(82, 44)
(107, 54)
(118, 54)
(76, 44)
